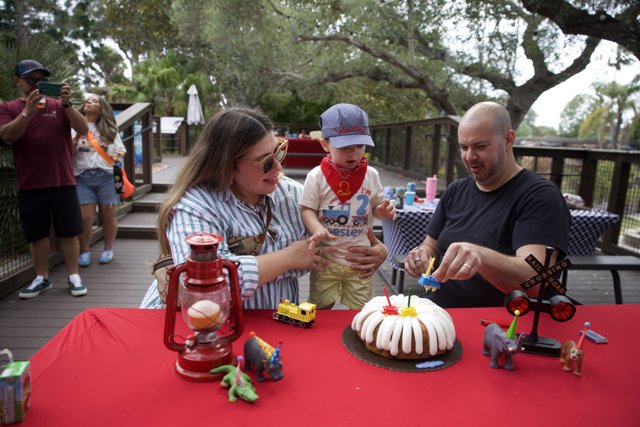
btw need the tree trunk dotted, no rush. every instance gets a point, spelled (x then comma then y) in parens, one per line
(615, 129)
(21, 32)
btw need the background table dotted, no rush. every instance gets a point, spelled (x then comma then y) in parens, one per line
(410, 227)
(109, 367)
(304, 153)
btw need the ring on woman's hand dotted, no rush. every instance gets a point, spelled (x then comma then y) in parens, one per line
(418, 259)
(466, 265)
(317, 251)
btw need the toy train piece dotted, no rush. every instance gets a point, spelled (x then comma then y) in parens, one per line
(302, 315)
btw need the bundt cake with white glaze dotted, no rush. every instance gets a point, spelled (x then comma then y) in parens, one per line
(419, 331)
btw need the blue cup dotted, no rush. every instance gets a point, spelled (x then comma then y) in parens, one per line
(411, 186)
(409, 198)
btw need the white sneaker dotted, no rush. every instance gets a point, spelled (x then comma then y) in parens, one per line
(76, 286)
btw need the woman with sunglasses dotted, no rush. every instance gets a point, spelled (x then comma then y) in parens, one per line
(232, 185)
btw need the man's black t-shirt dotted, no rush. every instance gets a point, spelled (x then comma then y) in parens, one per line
(526, 210)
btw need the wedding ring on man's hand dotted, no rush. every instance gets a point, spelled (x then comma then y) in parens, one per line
(466, 265)
(317, 250)
(417, 259)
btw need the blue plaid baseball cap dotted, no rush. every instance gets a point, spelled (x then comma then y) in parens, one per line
(27, 66)
(345, 125)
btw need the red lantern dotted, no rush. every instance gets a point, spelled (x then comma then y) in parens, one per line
(210, 307)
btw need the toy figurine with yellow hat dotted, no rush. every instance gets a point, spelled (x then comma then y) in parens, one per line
(497, 343)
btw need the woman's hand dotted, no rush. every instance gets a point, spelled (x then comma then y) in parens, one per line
(303, 259)
(319, 236)
(368, 259)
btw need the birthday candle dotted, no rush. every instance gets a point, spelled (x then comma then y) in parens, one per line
(387, 295)
(433, 261)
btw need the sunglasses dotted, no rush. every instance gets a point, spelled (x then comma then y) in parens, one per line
(267, 163)
(34, 80)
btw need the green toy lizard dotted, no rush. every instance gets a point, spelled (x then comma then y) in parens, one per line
(239, 382)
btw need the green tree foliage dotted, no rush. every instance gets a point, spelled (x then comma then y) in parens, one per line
(607, 120)
(164, 81)
(574, 113)
(615, 20)
(139, 27)
(444, 47)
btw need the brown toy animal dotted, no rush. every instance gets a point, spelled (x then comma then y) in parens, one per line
(571, 355)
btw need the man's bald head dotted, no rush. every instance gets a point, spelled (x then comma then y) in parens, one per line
(488, 111)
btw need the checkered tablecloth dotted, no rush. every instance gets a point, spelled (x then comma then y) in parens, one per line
(410, 227)
(587, 225)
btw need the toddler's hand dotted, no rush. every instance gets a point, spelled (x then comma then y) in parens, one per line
(317, 237)
(387, 209)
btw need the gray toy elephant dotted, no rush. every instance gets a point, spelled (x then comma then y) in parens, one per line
(497, 343)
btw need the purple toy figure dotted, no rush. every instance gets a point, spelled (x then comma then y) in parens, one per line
(572, 354)
(496, 342)
(264, 357)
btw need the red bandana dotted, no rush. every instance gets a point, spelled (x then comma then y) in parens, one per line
(344, 182)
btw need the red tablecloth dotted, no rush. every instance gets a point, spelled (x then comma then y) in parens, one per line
(109, 367)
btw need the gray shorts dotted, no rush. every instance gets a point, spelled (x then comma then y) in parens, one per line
(96, 186)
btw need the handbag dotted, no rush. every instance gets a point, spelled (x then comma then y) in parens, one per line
(124, 187)
(251, 245)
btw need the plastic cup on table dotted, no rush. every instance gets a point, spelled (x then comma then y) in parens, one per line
(409, 198)
(432, 188)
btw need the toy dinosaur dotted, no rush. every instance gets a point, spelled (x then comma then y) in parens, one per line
(239, 382)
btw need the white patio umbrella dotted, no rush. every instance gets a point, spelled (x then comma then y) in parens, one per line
(194, 110)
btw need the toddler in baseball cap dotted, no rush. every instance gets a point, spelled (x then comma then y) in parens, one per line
(339, 201)
(345, 125)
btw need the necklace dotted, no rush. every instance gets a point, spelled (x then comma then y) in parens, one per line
(257, 209)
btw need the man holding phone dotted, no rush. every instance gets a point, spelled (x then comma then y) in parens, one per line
(38, 128)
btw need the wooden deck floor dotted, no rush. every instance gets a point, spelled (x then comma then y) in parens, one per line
(26, 325)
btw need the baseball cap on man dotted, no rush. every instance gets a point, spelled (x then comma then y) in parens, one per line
(345, 125)
(27, 66)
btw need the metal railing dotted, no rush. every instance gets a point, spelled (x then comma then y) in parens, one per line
(136, 123)
(605, 179)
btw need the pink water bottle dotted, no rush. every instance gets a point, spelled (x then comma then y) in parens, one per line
(431, 188)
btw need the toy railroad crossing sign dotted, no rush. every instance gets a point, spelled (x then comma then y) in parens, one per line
(545, 277)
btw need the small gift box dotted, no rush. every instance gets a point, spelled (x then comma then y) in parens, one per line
(15, 390)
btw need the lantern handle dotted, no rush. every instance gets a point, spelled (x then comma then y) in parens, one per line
(172, 305)
(234, 283)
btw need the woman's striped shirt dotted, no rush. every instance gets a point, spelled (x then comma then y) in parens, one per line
(200, 210)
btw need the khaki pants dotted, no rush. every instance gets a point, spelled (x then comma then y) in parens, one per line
(338, 281)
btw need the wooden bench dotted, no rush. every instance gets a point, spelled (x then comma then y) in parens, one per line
(613, 263)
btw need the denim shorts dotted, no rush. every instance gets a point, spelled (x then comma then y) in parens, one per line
(96, 186)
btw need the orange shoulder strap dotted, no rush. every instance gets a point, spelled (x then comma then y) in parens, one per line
(94, 143)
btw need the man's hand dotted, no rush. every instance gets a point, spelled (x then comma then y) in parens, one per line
(65, 94)
(461, 262)
(417, 261)
(31, 103)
